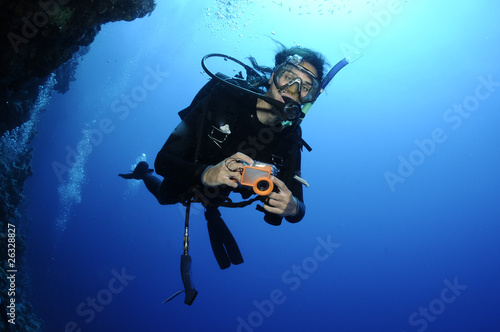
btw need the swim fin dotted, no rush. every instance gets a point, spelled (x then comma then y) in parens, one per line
(223, 244)
(139, 172)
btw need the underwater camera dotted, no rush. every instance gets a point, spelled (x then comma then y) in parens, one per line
(257, 176)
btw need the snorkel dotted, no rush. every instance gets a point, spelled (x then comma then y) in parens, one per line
(329, 76)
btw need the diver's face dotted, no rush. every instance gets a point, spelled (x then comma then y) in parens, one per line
(292, 91)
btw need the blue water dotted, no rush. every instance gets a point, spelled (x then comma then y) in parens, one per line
(402, 224)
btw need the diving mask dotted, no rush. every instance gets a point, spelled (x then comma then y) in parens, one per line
(307, 85)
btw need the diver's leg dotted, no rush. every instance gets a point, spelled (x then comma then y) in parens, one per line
(166, 192)
(153, 184)
(143, 172)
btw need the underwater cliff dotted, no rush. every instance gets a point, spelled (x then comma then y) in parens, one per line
(41, 46)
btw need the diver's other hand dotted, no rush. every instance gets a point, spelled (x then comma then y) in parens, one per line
(221, 174)
(282, 203)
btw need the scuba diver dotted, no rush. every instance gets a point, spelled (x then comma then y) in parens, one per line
(233, 124)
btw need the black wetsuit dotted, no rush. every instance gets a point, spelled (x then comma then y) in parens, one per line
(213, 107)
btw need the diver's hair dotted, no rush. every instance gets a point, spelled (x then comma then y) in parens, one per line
(267, 71)
(314, 58)
(263, 69)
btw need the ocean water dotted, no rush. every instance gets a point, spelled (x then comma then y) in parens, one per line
(402, 225)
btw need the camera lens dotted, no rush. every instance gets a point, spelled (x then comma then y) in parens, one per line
(263, 185)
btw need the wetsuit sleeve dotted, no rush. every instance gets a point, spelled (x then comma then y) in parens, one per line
(290, 168)
(296, 189)
(175, 161)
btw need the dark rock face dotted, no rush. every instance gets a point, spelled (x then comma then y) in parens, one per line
(38, 38)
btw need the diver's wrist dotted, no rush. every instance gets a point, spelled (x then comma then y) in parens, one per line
(203, 175)
(296, 209)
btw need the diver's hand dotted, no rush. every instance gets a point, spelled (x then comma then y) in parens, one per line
(220, 174)
(282, 203)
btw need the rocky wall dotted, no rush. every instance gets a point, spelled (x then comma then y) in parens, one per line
(39, 41)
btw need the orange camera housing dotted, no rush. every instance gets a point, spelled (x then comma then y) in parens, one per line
(258, 177)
